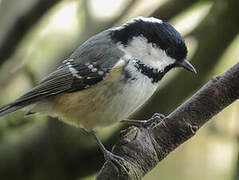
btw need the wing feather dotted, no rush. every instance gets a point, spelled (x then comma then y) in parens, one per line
(87, 66)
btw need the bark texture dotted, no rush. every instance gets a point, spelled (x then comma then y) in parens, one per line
(143, 148)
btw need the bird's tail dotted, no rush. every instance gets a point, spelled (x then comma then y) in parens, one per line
(10, 108)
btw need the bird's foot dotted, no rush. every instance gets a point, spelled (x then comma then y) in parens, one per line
(116, 161)
(155, 119)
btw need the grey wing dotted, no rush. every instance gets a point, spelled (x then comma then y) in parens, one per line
(72, 76)
(59, 82)
(87, 66)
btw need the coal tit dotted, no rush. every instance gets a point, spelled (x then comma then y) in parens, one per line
(109, 76)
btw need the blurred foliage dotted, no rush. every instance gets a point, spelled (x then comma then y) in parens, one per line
(37, 148)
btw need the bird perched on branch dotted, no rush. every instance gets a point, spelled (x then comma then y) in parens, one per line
(108, 77)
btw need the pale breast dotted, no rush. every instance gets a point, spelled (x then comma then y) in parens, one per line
(110, 101)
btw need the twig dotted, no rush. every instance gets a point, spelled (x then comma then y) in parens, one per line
(143, 148)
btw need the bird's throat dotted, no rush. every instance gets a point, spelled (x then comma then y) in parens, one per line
(152, 73)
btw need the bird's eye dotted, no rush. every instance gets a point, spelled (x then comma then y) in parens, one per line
(169, 51)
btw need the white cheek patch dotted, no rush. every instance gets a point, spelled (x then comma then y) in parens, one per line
(154, 57)
(162, 62)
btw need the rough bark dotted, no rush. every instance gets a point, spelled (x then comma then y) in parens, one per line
(57, 140)
(55, 151)
(78, 153)
(143, 148)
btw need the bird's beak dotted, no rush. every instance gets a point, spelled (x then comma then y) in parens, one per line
(187, 65)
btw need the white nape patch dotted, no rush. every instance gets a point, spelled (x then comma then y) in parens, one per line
(133, 20)
(146, 53)
(145, 19)
(73, 71)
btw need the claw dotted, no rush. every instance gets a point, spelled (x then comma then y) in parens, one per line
(156, 118)
(158, 115)
(134, 122)
(115, 160)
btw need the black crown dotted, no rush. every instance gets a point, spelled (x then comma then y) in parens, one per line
(161, 35)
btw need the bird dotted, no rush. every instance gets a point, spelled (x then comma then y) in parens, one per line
(108, 77)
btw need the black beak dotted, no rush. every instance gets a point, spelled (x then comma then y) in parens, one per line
(187, 65)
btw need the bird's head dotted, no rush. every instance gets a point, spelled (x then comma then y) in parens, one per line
(154, 42)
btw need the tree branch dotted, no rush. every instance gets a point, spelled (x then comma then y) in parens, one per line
(143, 148)
(75, 170)
(41, 149)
